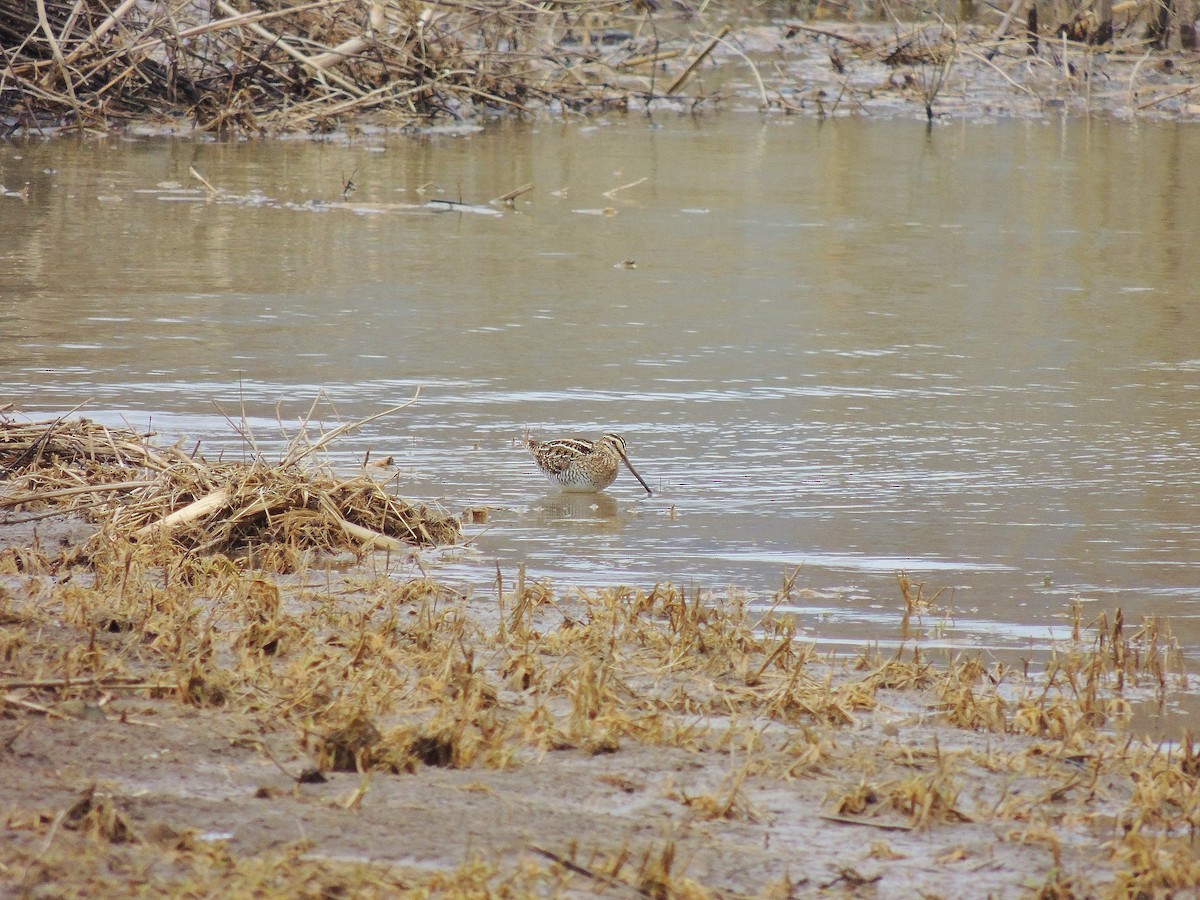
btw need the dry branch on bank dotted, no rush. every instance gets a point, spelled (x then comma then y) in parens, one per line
(258, 68)
(147, 493)
(277, 65)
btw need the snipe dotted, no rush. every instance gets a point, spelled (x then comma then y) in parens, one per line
(585, 466)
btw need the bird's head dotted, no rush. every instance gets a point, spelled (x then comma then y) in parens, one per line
(615, 441)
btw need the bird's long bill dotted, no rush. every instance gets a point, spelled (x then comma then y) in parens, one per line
(629, 466)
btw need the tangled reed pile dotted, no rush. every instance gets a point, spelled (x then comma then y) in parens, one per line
(150, 494)
(273, 65)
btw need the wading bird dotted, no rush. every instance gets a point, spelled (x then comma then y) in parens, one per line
(584, 466)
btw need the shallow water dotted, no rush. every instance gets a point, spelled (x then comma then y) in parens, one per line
(858, 347)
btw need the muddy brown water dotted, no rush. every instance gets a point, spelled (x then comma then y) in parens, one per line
(971, 354)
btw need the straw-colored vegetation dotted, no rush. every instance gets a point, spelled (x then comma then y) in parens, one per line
(743, 748)
(270, 513)
(242, 68)
(278, 65)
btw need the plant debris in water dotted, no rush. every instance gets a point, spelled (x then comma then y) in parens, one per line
(151, 495)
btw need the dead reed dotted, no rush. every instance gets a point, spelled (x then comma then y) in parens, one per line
(250, 69)
(141, 493)
(264, 67)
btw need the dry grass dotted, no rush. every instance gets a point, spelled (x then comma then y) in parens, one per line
(386, 678)
(254, 68)
(270, 513)
(239, 68)
(397, 678)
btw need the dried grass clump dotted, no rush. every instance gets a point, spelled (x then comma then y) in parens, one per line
(85, 863)
(924, 800)
(240, 509)
(1085, 686)
(97, 817)
(736, 662)
(349, 742)
(268, 514)
(1155, 866)
(277, 65)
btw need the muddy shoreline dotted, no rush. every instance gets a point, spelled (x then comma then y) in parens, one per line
(350, 729)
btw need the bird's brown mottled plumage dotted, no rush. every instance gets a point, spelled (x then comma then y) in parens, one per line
(575, 464)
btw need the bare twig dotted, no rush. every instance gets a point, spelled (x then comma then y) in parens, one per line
(514, 193)
(44, 22)
(100, 30)
(700, 57)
